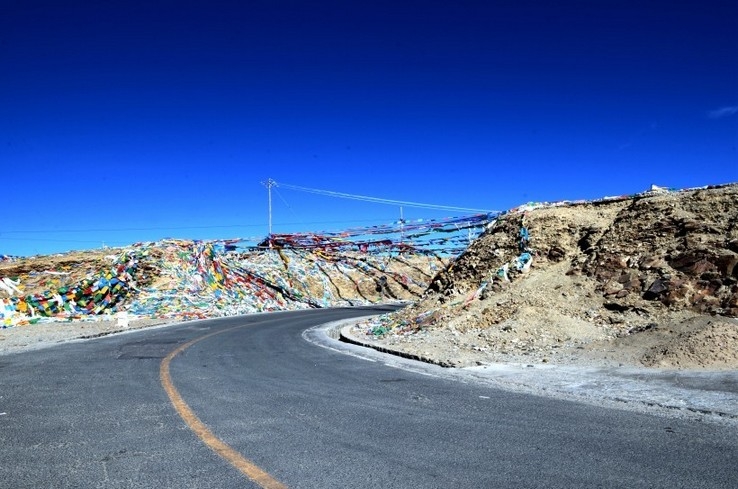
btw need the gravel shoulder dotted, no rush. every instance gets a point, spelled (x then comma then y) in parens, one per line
(44, 335)
(696, 393)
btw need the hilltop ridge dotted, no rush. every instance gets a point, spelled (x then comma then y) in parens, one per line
(646, 280)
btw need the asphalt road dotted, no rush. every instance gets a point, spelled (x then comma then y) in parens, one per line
(96, 414)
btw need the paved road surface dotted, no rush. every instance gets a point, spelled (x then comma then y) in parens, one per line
(96, 414)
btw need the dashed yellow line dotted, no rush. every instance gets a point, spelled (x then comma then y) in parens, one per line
(244, 465)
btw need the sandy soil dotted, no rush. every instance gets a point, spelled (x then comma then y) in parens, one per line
(44, 335)
(649, 282)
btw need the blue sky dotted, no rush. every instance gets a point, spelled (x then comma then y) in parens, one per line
(133, 121)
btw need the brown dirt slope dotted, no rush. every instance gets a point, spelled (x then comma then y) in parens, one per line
(650, 280)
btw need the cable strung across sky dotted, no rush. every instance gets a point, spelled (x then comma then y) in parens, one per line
(157, 118)
(378, 200)
(402, 235)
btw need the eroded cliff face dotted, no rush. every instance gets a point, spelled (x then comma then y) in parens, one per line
(662, 267)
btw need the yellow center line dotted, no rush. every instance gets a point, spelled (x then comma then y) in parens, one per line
(244, 465)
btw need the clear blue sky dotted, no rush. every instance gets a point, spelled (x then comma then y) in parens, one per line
(132, 121)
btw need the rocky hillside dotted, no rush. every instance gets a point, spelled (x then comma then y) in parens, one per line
(647, 280)
(187, 279)
(650, 279)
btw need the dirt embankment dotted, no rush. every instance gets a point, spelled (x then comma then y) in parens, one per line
(650, 280)
(49, 299)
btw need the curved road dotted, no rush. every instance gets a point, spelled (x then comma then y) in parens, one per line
(289, 413)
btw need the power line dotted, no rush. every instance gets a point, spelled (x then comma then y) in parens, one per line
(51, 231)
(4, 235)
(378, 200)
(52, 240)
(287, 205)
(168, 228)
